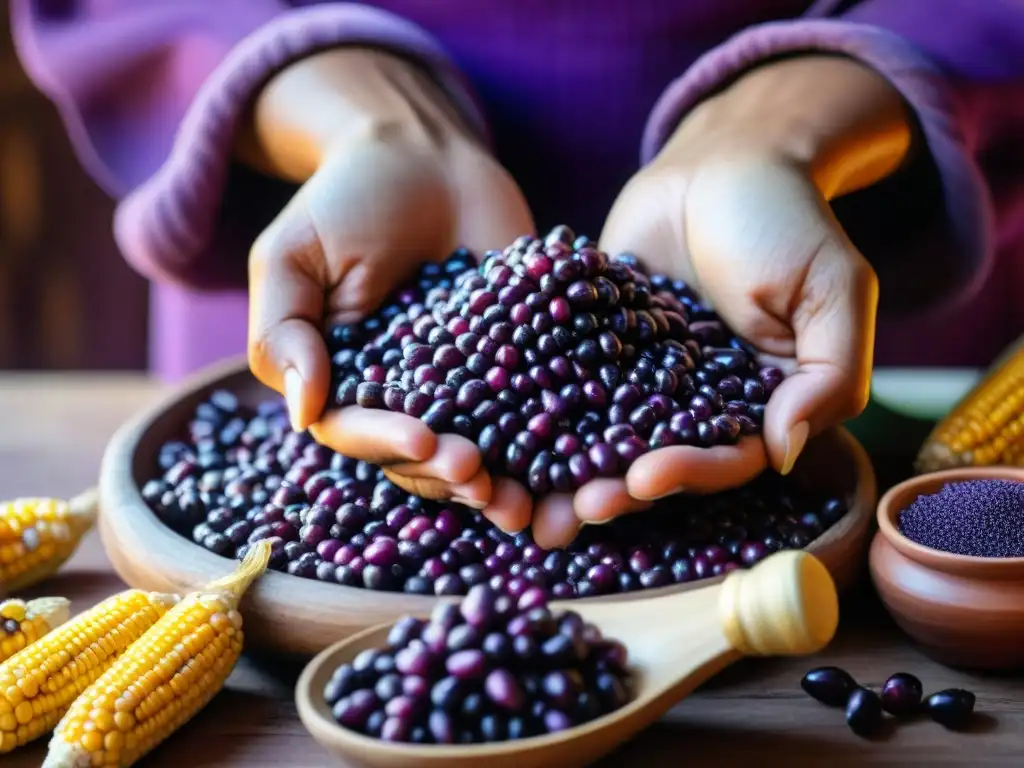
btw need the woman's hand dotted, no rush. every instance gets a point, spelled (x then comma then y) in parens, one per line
(390, 178)
(736, 204)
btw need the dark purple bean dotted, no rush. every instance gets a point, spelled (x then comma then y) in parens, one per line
(467, 665)
(503, 690)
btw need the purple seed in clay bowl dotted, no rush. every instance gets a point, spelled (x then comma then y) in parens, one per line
(937, 563)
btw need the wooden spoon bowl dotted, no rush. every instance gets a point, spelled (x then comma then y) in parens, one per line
(785, 606)
(305, 616)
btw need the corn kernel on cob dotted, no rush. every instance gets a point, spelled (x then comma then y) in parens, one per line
(37, 535)
(164, 679)
(987, 426)
(22, 623)
(38, 684)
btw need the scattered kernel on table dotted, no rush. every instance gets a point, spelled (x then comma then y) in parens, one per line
(22, 623)
(37, 535)
(38, 684)
(163, 679)
(901, 697)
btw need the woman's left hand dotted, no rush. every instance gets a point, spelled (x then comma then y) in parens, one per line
(736, 204)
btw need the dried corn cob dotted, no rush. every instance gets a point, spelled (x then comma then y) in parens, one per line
(987, 426)
(164, 679)
(22, 623)
(38, 684)
(38, 535)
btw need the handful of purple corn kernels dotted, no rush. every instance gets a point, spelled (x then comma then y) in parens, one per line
(239, 474)
(491, 669)
(561, 363)
(901, 697)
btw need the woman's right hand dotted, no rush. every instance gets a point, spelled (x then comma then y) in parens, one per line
(390, 178)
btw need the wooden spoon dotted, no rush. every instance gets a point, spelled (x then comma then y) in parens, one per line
(784, 606)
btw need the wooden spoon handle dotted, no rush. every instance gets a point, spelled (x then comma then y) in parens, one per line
(785, 606)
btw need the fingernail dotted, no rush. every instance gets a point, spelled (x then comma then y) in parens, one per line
(468, 502)
(795, 443)
(293, 386)
(597, 522)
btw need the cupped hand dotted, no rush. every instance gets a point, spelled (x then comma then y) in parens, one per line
(753, 236)
(741, 213)
(380, 202)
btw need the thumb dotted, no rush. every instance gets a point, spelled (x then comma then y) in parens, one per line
(286, 348)
(833, 324)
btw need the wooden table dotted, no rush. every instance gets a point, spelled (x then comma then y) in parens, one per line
(52, 434)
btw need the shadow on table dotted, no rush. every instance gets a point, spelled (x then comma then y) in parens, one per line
(670, 745)
(84, 588)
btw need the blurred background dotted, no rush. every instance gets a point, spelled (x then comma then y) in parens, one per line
(56, 246)
(69, 301)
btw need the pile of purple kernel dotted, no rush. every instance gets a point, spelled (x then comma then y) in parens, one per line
(901, 697)
(560, 363)
(980, 518)
(491, 669)
(240, 475)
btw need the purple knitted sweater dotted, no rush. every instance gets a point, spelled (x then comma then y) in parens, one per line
(574, 96)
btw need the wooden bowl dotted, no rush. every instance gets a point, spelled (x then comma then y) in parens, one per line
(964, 611)
(289, 615)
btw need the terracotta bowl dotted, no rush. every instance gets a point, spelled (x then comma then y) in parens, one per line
(303, 616)
(964, 611)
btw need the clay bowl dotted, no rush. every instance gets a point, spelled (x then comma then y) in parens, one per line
(963, 611)
(289, 615)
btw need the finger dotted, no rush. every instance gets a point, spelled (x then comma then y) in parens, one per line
(654, 237)
(424, 487)
(383, 208)
(555, 524)
(511, 506)
(601, 501)
(379, 437)
(286, 348)
(475, 493)
(492, 209)
(455, 460)
(834, 329)
(689, 469)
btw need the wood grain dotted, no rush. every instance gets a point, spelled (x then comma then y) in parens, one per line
(753, 714)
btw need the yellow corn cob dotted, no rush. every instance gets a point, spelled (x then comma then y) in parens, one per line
(987, 426)
(164, 679)
(23, 623)
(38, 684)
(38, 535)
